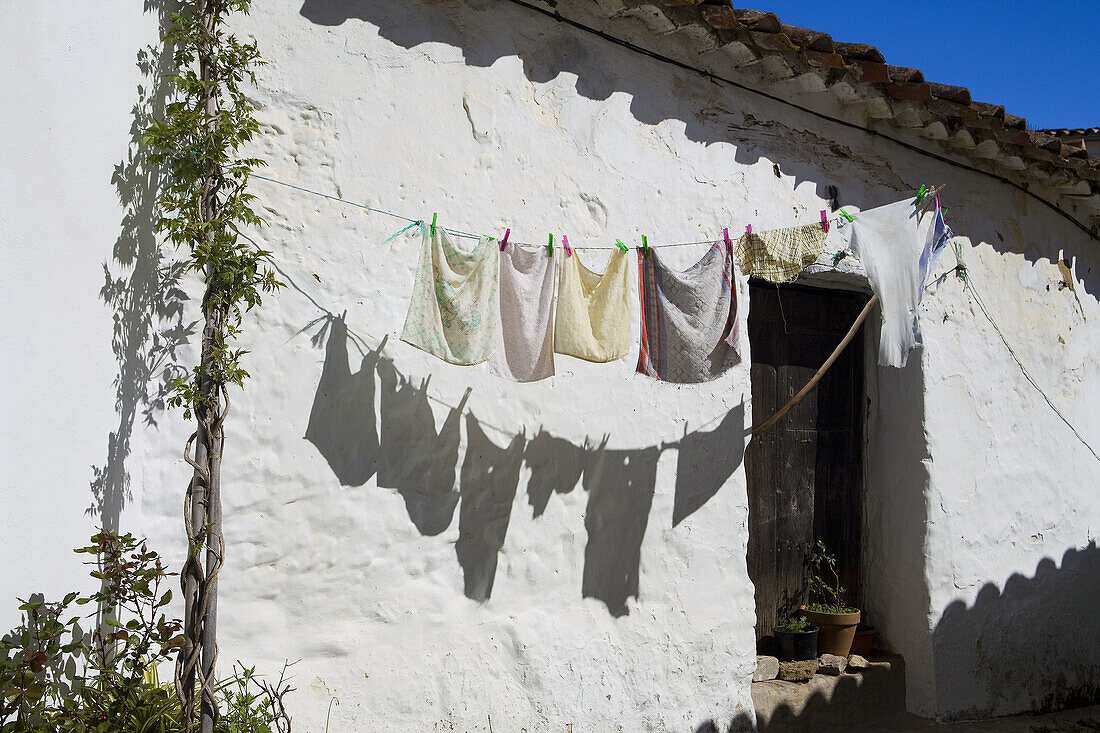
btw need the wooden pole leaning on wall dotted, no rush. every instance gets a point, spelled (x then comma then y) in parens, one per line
(771, 421)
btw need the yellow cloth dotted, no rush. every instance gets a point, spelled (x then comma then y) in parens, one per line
(593, 321)
(778, 255)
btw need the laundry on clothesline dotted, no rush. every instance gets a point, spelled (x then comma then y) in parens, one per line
(689, 330)
(525, 336)
(453, 308)
(516, 306)
(593, 316)
(896, 245)
(779, 255)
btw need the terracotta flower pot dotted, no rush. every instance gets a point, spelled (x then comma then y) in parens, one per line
(864, 641)
(835, 630)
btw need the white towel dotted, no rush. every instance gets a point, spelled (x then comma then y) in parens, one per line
(525, 338)
(889, 243)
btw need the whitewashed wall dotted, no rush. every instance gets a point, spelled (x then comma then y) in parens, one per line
(66, 125)
(495, 117)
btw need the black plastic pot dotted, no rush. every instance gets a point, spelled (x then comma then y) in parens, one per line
(796, 646)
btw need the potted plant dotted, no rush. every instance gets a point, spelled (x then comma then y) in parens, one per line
(797, 640)
(864, 641)
(835, 620)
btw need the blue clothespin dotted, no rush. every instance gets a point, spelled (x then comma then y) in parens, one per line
(550, 246)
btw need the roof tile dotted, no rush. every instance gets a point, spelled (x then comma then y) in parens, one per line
(904, 75)
(958, 95)
(857, 73)
(806, 38)
(921, 92)
(721, 16)
(859, 52)
(758, 20)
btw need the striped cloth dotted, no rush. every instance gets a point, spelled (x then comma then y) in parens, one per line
(689, 318)
(778, 255)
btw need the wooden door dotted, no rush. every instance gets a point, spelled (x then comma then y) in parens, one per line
(805, 475)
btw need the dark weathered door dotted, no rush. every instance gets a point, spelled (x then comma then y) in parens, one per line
(805, 475)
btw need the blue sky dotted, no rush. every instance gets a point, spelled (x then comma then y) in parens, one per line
(1040, 60)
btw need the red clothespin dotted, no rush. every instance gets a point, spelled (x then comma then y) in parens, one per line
(824, 220)
(565, 243)
(504, 242)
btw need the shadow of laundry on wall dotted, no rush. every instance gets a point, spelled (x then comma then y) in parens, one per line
(490, 477)
(620, 485)
(414, 459)
(342, 423)
(399, 445)
(706, 460)
(556, 467)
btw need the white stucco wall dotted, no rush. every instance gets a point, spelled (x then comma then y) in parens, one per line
(497, 118)
(66, 123)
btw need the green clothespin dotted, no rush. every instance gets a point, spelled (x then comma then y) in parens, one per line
(921, 193)
(645, 246)
(845, 214)
(550, 246)
(960, 267)
(620, 245)
(434, 217)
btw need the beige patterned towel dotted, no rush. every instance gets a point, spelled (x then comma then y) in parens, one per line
(778, 255)
(453, 309)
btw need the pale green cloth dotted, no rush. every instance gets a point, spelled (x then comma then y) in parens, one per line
(453, 309)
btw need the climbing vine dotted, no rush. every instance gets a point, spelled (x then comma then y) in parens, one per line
(203, 208)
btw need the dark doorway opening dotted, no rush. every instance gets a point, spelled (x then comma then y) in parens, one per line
(805, 475)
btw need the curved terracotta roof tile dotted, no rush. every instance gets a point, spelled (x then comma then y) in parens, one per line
(860, 52)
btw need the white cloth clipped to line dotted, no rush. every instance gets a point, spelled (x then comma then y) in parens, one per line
(453, 308)
(525, 337)
(897, 246)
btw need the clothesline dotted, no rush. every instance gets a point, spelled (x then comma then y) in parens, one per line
(960, 268)
(837, 221)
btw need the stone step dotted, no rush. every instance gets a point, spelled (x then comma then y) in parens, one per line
(864, 699)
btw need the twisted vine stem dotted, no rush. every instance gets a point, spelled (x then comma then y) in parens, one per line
(204, 206)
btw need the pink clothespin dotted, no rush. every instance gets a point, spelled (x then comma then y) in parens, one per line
(726, 237)
(824, 220)
(565, 243)
(748, 229)
(504, 242)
